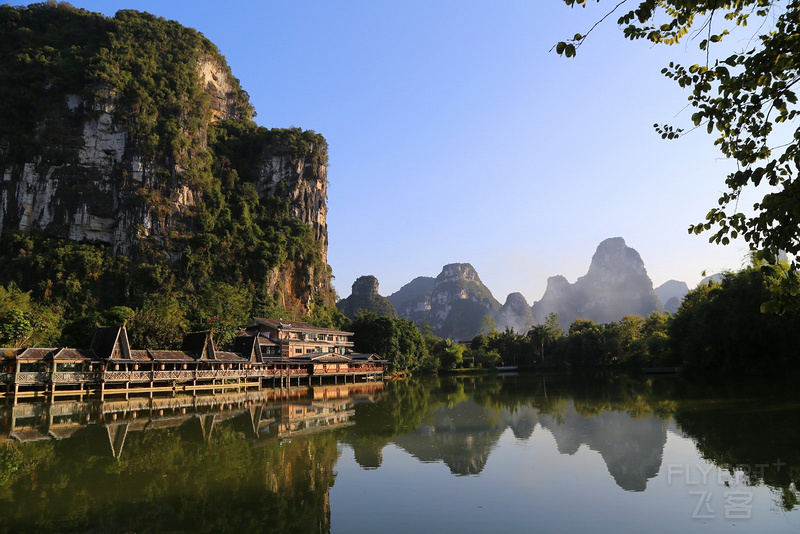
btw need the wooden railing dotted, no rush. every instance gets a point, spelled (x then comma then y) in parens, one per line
(184, 374)
(125, 376)
(32, 378)
(74, 377)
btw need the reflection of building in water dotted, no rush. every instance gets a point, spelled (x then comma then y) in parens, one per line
(326, 408)
(277, 413)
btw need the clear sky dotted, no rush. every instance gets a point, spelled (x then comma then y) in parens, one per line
(457, 136)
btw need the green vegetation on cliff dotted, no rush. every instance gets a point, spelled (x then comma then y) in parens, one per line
(232, 252)
(365, 297)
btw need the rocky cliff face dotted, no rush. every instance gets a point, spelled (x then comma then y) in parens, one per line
(671, 293)
(616, 285)
(455, 304)
(365, 296)
(413, 300)
(95, 164)
(303, 182)
(515, 314)
(460, 302)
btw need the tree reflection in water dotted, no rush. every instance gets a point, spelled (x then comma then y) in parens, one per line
(268, 465)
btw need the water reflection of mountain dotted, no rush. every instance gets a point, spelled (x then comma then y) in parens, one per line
(460, 423)
(464, 435)
(257, 461)
(632, 448)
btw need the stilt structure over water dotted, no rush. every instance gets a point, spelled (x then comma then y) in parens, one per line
(111, 367)
(269, 414)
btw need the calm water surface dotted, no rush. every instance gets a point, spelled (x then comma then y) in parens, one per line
(507, 454)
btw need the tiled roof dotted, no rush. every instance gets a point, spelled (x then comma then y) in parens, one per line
(74, 355)
(265, 341)
(370, 357)
(28, 434)
(298, 325)
(35, 354)
(228, 356)
(329, 357)
(170, 356)
(64, 432)
(141, 355)
(319, 357)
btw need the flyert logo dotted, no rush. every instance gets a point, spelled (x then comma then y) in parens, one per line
(737, 503)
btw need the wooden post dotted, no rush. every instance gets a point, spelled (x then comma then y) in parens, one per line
(16, 379)
(52, 381)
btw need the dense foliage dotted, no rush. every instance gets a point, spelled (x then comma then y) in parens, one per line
(747, 99)
(168, 480)
(719, 328)
(354, 304)
(397, 340)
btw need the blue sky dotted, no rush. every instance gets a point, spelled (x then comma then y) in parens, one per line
(457, 136)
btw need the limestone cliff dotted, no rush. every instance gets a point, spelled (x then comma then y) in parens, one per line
(365, 296)
(413, 300)
(616, 285)
(671, 293)
(515, 314)
(455, 304)
(136, 135)
(460, 302)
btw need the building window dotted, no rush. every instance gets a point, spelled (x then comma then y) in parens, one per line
(298, 351)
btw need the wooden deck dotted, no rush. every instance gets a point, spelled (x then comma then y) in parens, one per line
(24, 385)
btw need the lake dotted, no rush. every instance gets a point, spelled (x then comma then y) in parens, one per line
(549, 453)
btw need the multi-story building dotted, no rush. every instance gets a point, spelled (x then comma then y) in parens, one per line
(279, 339)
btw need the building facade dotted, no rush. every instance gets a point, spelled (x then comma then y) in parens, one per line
(277, 338)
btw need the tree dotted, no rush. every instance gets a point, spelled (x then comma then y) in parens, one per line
(748, 101)
(15, 327)
(449, 353)
(159, 324)
(719, 327)
(586, 343)
(396, 340)
(544, 336)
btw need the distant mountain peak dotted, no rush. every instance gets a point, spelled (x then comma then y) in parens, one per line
(365, 285)
(671, 293)
(515, 314)
(614, 257)
(458, 272)
(365, 297)
(615, 285)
